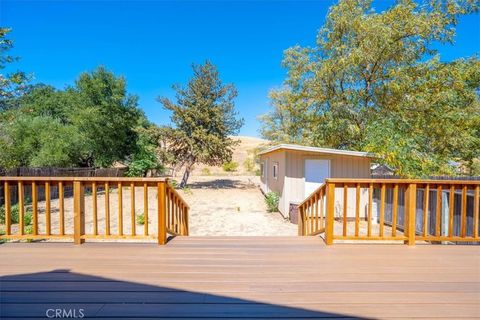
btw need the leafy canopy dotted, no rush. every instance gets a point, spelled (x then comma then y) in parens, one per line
(93, 123)
(373, 82)
(204, 116)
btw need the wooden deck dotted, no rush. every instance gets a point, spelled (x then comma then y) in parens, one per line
(241, 277)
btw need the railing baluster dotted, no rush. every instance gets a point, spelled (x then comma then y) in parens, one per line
(370, 200)
(439, 211)
(322, 208)
(464, 212)
(145, 209)
(382, 209)
(8, 206)
(476, 209)
(95, 212)
(61, 207)
(132, 208)
(451, 208)
(48, 219)
(186, 221)
(107, 208)
(395, 210)
(120, 209)
(345, 207)
(21, 208)
(357, 209)
(316, 212)
(311, 216)
(426, 200)
(34, 208)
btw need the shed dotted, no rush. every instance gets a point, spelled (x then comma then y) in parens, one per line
(295, 171)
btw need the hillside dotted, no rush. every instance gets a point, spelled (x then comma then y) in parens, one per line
(240, 154)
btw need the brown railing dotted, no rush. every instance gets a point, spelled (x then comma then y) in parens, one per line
(96, 209)
(177, 213)
(311, 213)
(393, 209)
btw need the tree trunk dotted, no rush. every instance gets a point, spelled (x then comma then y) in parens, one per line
(186, 175)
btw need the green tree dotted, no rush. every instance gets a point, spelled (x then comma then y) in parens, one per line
(11, 84)
(373, 82)
(204, 116)
(93, 123)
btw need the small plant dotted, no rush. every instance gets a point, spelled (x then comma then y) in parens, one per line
(230, 166)
(187, 190)
(141, 219)
(258, 172)
(27, 219)
(249, 165)
(14, 213)
(272, 199)
(173, 183)
(206, 172)
(28, 229)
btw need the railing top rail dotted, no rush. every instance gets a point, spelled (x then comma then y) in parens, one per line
(178, 195)
(402, 181)
(312, 194)
(83, 179)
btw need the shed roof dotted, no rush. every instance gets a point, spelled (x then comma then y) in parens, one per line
(297, 147)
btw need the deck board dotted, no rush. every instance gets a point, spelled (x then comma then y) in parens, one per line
(240, 277)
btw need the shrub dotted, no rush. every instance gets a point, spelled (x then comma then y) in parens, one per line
(141, 219)
(206, 172)
(27, 219)
(258, 172)
(249, 165)
(13, 213)
(230, 166)
(173, 183)
(272, 199)
(187, 190)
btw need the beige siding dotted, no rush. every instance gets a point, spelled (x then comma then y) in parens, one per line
(291, 181)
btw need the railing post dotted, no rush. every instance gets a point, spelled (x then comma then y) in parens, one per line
(300, 221)
(411, 208)
(78, 212)
(186, 221)
(330, 213)
(162, 229)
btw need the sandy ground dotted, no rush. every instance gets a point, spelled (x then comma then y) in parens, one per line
(232, 206)
(220, 206)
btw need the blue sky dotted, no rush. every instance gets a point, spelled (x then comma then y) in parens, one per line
(154, 43)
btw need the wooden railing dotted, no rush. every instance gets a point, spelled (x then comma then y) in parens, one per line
(177, 213)
(393, 209)
(88, 208)
(311, 213)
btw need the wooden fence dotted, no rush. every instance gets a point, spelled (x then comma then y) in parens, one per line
(74, 217)
(393, 209)
(53, 172)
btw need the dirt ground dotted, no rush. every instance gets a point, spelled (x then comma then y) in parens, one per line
(232, 206)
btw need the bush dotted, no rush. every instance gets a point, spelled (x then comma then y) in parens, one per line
(258, 172)
(141, 219)
(249, 165)
(272, 199)
(27, 219)
(173, 183)
(206, 172)
(230, 166)
(13, 213)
